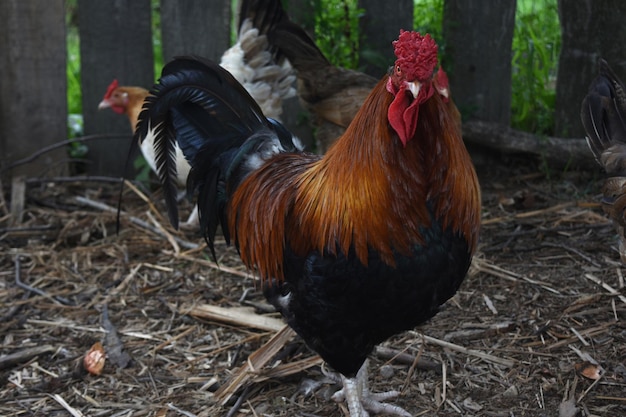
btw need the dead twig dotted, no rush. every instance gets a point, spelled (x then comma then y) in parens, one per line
(178, 410)
(590, 332)
(236, 316)
(606, 286)
(532, 213)
(572, 250)
(135, 220)
(256, 361)
(286, 369)
(213, 265)
(73, 411)
(483, 266)
(397, 356)
(24, 355)
(58, 145)
(470, 352)
(21, 284)
(78, 178)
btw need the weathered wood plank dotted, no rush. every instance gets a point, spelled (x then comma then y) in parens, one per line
(33, 99)
(478, 42)
(590, 30)
(379, 26)
(115, 42)
(195, 27)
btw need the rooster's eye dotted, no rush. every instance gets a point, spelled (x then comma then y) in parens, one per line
(398, 70)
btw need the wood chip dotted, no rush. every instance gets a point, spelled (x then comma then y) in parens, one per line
(234, 316)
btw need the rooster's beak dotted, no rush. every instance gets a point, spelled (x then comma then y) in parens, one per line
(414, 88)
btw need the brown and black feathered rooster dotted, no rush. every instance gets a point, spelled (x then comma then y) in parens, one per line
(352, 247)
(603, 114)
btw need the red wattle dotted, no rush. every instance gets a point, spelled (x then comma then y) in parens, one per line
(403, 116)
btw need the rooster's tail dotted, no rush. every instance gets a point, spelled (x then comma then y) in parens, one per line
(219, 128)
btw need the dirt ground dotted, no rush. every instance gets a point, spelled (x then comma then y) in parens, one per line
(537, 328)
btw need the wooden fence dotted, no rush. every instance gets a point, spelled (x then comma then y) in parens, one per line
(116, 42)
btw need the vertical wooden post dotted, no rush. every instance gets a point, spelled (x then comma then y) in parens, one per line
(33, 98)
(381, 25)
(478, 43)
(590, 30)
(115, 42)
(195, 27)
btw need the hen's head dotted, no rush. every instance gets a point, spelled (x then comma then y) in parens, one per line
(410, 80)
(116, 98)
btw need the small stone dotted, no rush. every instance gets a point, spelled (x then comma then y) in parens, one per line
(511, 392)
(387, 371)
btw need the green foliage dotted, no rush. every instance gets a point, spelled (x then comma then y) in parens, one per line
(428, 18)
(536, 47)
(337, 31)
(142, 170)
(76, 150)
(74, 96)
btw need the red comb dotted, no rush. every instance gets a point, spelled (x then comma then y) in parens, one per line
(114, 84)
(416, 55)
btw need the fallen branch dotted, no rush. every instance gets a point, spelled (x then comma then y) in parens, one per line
(470, 352)
(58, 145)
(213, 265)
(290, 368)
(590, 332)
(234, 316)
(73, 411)
(23, 285)
(606, 286)
(24, 355)
(559, 151)
(137, 221)
(256, 361)
(387, 353)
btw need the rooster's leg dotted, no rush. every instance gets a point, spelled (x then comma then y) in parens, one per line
(360, 400)
(193, 221)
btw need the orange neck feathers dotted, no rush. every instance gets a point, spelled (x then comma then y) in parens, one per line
(136, 96)
(351, 196)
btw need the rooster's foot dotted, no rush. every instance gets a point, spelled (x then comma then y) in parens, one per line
(361, 401)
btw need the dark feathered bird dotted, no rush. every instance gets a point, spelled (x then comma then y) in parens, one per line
(354, 246)
(603, 115)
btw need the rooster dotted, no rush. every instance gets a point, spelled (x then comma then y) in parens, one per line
(259, 67)
(351, 247)
(603, 115)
